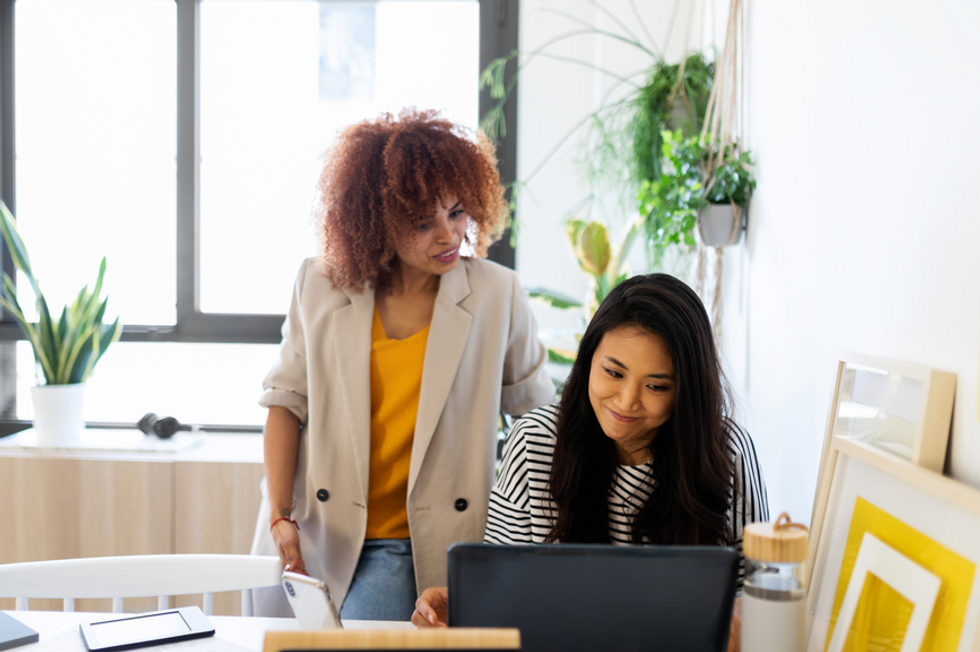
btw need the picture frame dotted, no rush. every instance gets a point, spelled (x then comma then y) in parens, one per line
(901, 407)
(931, 520)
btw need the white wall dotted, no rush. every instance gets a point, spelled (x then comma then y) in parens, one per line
(865, 227)
(864, 231)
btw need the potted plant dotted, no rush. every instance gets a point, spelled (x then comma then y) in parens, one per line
(627, 134)
(687, 195)
(66, 349)
(722, 218)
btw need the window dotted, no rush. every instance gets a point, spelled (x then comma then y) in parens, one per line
(182, 140)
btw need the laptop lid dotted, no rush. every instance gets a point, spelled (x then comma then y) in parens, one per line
(570, 598)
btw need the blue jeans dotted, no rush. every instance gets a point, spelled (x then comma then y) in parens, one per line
(384, 582)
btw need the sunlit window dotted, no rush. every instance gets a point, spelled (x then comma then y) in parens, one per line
(278, 79)
(96, 160)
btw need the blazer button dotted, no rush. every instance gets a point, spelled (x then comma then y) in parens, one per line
(461, 504)
(322, 495)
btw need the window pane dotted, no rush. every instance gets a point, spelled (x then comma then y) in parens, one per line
(96, 147)
(277, 80)
(196, 383)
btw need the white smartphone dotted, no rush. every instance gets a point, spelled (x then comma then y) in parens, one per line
(311, 602)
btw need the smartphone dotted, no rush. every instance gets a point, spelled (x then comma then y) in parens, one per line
(311, 602)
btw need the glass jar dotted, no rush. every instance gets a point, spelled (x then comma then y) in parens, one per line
(774, 591)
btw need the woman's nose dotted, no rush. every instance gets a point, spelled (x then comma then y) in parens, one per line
(628, 396)
(443, 231)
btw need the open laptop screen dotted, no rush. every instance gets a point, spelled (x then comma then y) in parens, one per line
(572, 598)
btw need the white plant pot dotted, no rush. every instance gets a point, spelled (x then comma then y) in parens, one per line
(716, 223)
(58, 414)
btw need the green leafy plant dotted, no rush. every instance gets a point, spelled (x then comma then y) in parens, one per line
(625, 140)
(732, 181)
(65, 349)
(630, 135)
(672, 202)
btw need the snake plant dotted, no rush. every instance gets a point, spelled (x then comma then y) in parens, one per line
(65, 349)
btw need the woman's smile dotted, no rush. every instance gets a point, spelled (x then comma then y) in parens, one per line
(449, 255)
(631, 388)
(622, 417)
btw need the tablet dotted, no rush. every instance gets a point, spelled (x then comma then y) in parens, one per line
(140, 630)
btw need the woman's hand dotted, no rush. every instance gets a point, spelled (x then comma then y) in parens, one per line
(286, 538)
(735, 637)
(430, 608)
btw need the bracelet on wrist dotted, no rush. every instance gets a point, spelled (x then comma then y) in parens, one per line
(284, 518)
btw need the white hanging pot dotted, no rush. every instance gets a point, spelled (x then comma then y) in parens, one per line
(58, 414)
(721, 225)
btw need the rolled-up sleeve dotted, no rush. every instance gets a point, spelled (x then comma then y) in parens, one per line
(286, 383)
(526, 383)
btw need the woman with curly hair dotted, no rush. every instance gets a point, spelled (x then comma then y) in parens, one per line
(398, 355)
(641, 449)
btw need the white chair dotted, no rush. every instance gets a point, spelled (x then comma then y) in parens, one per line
(139, 576)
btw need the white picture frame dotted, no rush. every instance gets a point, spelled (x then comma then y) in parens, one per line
(913, 582)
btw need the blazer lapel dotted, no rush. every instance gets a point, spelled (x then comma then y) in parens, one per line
(352, 348)
(444, 348)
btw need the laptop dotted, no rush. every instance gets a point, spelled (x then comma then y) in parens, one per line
(572, 598)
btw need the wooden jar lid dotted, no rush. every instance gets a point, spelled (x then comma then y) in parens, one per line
(781, 542)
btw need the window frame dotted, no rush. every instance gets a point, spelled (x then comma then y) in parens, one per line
(498, 37)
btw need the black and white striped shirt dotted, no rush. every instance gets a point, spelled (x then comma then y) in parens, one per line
(522, 511)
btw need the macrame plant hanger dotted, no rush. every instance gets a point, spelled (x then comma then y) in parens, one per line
(718, 133)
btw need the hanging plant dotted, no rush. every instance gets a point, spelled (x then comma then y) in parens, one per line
(625, 141)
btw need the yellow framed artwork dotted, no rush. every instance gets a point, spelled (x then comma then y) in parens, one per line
(894, 560)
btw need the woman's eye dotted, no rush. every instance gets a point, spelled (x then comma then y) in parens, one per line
(658, 388)
(613, 373)
(423, 226)
(456, 213)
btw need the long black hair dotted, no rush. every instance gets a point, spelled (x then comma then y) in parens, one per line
(692, 467)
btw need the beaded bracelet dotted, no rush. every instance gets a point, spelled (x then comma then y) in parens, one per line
(284, 518)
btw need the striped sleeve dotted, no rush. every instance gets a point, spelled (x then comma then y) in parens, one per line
(750, 502)
(521, 509)
(509, 515)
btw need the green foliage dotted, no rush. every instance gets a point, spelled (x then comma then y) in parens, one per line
(659, 105)
(552, 299)
(732, 180)
(671, 203)
(559, 356)
(65, 349)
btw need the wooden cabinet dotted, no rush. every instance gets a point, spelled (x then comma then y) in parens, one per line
(123, 494)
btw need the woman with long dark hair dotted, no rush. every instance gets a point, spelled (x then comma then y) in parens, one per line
(641, 448)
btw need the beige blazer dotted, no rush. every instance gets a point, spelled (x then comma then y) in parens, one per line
(482, 356)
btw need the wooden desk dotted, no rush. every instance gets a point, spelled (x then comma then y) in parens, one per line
(128, 494)
(246, 632)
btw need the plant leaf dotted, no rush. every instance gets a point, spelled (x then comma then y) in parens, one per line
(592, 248)
(552, 299)
(15, 245)
(561, 356)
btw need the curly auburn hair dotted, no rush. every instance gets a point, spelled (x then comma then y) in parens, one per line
(383, 175)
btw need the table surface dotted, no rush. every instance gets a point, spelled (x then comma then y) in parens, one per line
(246, 632)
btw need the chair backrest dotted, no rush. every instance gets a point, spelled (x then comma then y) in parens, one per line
(139, 576)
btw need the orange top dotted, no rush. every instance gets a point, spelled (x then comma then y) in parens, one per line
(396, 380)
